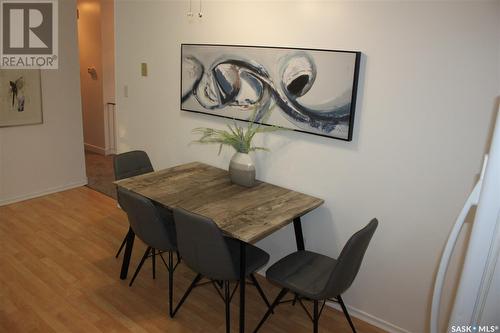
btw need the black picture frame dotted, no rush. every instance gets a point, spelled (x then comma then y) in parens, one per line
(224, 50)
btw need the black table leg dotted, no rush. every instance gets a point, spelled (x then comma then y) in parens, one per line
(243, 264)
(299, 237)
(128, 253)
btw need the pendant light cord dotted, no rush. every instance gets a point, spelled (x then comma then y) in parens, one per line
(190, 13)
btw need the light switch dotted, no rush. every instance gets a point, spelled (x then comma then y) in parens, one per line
(144, 69)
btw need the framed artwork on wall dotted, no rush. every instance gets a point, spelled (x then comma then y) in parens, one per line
(20, 97)
(308, 90)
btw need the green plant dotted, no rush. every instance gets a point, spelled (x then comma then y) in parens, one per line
(238, 137)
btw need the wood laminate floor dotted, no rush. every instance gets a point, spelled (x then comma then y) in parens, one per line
(58, 274)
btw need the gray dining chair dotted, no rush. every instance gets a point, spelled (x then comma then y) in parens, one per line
(155, 231)
(130, 164)
(316, 277)
(212, 255)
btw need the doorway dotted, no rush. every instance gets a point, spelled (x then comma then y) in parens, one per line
(97, 78)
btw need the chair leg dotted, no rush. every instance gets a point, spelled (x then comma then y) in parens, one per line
(186, 294)
(121, 246)
(259, 289)
(344, 309)
(227, 301)
(129, 246)
(178, 256)
(268, 313)
(170, 284)
(144, 257)
(153, 257)
(315, 317)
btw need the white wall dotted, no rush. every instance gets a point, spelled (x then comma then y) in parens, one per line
(97, 49)
(108, 50)
(108, 73)
(428, 86)
(90, 47)
(43, 158)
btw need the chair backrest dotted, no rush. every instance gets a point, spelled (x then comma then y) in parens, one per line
(146, 222)
(132, 163)
(349, 261)
(203, 247)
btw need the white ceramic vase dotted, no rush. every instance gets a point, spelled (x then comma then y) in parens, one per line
(242, 170)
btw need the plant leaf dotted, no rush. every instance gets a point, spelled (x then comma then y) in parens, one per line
(238, 137)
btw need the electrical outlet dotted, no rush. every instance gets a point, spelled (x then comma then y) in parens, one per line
(144, 69)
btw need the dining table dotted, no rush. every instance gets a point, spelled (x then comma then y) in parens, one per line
(248, 214)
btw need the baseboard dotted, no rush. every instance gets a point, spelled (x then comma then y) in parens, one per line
(95, 149)
(35, 194)
(361, 315)
(110, 152)
(366, 317)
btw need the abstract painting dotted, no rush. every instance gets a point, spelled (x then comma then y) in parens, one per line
(308, 90)
(20, 97)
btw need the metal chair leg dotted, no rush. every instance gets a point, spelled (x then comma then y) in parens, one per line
(315, 317)
(129, 245)
(344, 309)
(178, 256)
(186, 294)
(170, 284)
(144, 257)
(227, 301)
(268, 313)
(154, 262)
(259, 289)
(121, 246)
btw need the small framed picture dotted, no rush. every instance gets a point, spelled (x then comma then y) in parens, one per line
(20, 97)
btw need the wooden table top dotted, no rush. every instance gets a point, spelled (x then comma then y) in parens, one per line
(248, 214)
